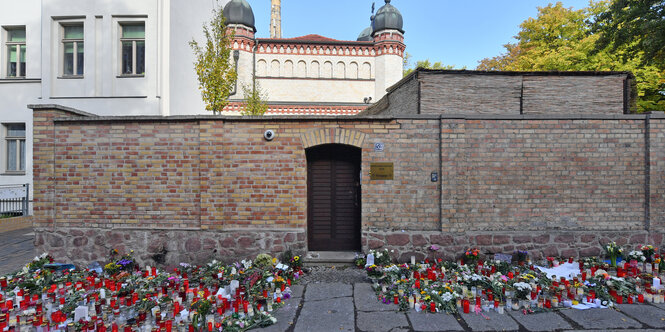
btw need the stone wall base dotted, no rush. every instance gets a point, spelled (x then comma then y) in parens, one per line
(166, 248)
(539, 244)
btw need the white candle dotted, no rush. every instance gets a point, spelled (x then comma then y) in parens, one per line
(413, 260)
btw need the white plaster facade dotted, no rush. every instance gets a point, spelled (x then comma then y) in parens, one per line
(169, 26)
(305, 75)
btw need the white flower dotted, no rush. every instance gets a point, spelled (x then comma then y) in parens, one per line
(522, 286)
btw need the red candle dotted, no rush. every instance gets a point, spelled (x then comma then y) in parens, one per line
(619, 299)
(114, 327)
(584, 276)
(279, 299)
(496, 304)
(465, 306)
(210, 326)
(245, 305)
(432, 307)
(396, 299)
(169, 325)
(477, 301)
(417, 284)
(640, 298)
(548, 303)
(630, 299)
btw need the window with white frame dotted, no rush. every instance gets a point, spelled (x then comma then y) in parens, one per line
(72, 46)
(132, 48)
(15, 147)
(15, 45)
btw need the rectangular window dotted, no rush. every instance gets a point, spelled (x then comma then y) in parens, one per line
(15, 138)
(15, 52)
(72, 44)
(132, 46)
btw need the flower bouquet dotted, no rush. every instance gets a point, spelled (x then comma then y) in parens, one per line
(613, 251)
(471, 256)
(648, 252)
(637, 256)
(374, 271)
(521, 256)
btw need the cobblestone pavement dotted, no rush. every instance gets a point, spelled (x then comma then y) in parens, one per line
(16, 249)
(341, 299)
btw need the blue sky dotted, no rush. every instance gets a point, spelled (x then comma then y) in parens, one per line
(455, 32)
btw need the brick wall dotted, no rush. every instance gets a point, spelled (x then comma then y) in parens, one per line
(545, 174)
(657, 172)
(196, 187)
(509, 93)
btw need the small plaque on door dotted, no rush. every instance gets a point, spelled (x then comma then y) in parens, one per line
(380, 171)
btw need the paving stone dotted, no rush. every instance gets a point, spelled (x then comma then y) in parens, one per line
(493, 322)
(326, 291)
(659, 305)
(326, 315)
(381, 321)
(434, 322)
(546, 321)
(601, 319)
(285, 316)
(647, 314)
(366, 300)
(297, 291)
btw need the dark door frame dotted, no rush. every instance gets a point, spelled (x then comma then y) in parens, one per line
(338, 155)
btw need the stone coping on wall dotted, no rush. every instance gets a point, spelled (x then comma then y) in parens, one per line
(89, 117)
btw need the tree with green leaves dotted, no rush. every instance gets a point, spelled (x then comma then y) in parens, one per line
(214, 65)
(636, 26)
(563, 39)
(428, 65)
(255, 100)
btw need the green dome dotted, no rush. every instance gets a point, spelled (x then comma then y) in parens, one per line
(388, 17)
(239, 12)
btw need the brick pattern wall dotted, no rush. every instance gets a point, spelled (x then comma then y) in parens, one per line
(584, 94)
(657, 173)
(469, 94)
(124, 174)
(410, 200)
(404, 99)
(501, 94)
(543, 174)
(202, 186)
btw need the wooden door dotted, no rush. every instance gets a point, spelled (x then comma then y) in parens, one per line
(333, 196)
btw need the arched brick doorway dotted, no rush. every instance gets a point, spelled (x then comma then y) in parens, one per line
(333, 197)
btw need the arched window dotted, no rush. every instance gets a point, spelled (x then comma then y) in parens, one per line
(301, 69)
(314, 69)
(340, 70)
(353, 71)
(261, 68)
(288, 68)
(274, 68)
(327, 70)
(366, 71)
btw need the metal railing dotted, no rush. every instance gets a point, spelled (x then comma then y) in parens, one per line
(14, 200)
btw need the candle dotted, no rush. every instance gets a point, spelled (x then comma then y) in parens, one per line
(432, 307)
(499, 309)
(396, 299)
(640, 298)
(465, 306)
(413, 260)
(411, 302)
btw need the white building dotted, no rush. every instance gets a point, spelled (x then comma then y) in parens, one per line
(127, 57)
